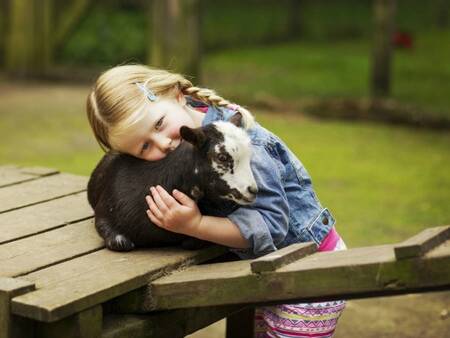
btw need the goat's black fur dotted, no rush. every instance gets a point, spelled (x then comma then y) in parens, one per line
(119, 184)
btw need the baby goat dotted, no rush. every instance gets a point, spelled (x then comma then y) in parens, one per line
(212, 167)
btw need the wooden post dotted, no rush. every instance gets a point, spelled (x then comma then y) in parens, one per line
(241, 324)
(295, 22)
(175, 38)
(12, 326)
(384, 14)
(28, 48)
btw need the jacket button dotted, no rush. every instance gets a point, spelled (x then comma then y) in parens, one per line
(325, 220)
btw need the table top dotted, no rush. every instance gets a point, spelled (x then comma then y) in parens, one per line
(47, 238)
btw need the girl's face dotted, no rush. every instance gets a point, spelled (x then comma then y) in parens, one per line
(158, 133)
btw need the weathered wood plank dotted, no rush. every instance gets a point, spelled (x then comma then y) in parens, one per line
(282, 257)
(45, 216)
(326, 275)
(40, 190)
(161, 324)
(32, 253)
(10, 174)
(10, 288)
(83, 282)
(423, 242)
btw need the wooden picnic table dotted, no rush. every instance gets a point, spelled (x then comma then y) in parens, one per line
(58, 280)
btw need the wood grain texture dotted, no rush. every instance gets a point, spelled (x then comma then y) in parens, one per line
(48, 248)
(45, 216)
(423, 242)
(83, 282)
(282, 257)
(11, 174)
(40, 190)
(357, 272)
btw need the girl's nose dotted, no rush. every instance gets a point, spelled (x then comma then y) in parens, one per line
(163, 143)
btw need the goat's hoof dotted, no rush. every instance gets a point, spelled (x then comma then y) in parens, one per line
(193, 244)
(119, 243)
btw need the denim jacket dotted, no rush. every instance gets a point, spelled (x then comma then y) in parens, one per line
(286, 209)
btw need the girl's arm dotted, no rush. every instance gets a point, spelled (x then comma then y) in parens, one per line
(181, 214)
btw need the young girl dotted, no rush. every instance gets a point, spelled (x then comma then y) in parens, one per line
(139, 110)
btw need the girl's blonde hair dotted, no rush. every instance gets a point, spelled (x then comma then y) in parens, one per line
(115, 102)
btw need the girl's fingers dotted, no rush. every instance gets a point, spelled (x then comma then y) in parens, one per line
(153, 208)
(165, 196)
(183, 198)
(158, 200)
(153, 218)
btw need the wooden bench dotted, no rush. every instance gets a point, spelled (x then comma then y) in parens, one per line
(58, 280)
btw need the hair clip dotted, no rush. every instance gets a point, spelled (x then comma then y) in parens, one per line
(147, 92)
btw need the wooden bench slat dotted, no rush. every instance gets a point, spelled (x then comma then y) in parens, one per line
(40, 190)
(40, 217)
(10, 174)
(423, 242)
(325, 275)
(83, 282)
(32, 253)
(282, 257)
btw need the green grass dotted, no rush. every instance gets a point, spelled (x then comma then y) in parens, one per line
(382, 183)
(321, 69)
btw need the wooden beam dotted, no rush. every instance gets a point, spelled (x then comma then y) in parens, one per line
(175, 36)
(418, 245)
(354, 273)
(285, 256)
(162, 324)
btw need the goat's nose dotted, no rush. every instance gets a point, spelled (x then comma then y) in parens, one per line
(252, 190)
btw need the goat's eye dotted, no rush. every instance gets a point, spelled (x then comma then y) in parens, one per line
(222, 157)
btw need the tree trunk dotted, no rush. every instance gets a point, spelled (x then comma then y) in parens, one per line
(384, 17)
(175, 39)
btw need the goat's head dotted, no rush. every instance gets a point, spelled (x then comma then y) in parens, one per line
(226, 149)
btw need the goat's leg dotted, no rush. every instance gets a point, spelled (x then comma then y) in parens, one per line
(113, 240)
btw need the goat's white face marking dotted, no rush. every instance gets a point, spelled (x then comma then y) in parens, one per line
(232, 163)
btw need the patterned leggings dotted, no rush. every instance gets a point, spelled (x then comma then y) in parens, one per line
(306, 320)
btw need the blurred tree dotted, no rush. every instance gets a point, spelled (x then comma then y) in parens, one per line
(28, 48)
(295, 22)
(175, 36)
(384, 19)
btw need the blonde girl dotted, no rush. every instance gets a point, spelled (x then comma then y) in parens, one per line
(139, 110)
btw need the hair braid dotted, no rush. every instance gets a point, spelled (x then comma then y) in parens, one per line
(210, 97)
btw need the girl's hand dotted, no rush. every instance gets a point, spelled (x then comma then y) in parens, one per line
(177, 214)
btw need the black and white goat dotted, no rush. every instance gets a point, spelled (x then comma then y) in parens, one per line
(212, 167)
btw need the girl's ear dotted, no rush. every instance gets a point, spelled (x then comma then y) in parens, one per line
(194, 136)
(180, 98)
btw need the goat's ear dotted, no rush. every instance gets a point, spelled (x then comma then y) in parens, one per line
(194, 136)
(236, 119)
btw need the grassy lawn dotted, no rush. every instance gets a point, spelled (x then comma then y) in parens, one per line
(294, 71)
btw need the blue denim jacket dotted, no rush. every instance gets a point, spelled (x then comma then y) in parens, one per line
(286, 209)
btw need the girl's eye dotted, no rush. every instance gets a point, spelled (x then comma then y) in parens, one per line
(159, 123)
(145, 146)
